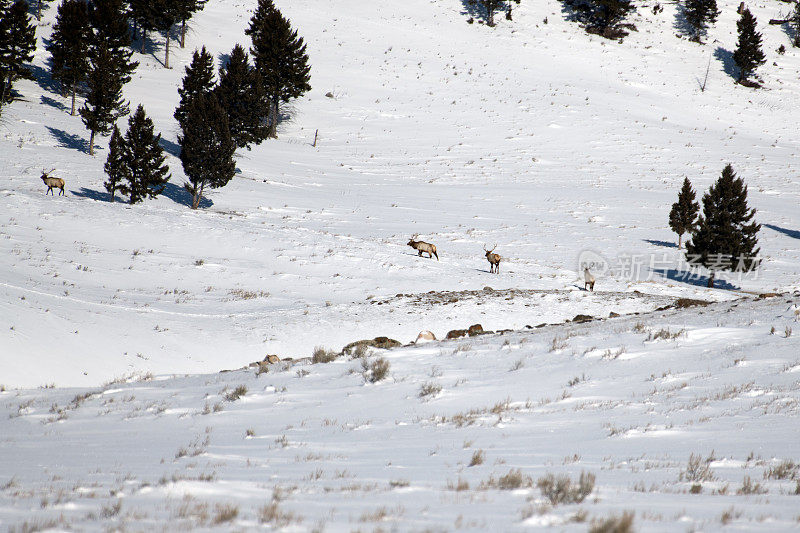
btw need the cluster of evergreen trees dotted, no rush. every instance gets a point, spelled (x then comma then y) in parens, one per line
(17, 44)
(724, 236)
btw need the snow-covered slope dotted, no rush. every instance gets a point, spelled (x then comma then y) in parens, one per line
(533, 136)
(456, 437)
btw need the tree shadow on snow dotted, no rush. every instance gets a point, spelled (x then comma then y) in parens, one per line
(179, 195)
(100, 196)
(697, 280)
(665, 244)
(69, 140)
(680, 23)
(172, 148)
(790, 232)
(728, 64)
(576, 11)
(53, 103)
(44, 79)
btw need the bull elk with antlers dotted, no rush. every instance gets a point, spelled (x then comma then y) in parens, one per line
(421, 246)
(52, 183)
(494, 260)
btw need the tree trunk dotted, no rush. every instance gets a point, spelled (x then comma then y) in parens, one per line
(183, 33)
(39, 10)
(144, 38)
(711, 280)
(198, 196)
(91, 143)
(166, 55)
(112, 195)
(273, 120)
(74, 90)
(680, 237)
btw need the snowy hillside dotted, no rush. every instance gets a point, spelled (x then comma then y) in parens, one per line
(534, 136)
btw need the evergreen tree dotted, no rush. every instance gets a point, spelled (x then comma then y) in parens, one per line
(115, 166)
(206, 147)
(165, 14)
(17, 44)
(609, 13)
(240, 92)
(279, 56)
(748, 55)
(683, 215)
(69, 46)
(795, 22)
(39, 8)
(700, 14)
(144, 18)
(146, 173)
(104, 103)
(186, 9)
(199, 79)
(725, 236)
(109, 20)
(490, 6)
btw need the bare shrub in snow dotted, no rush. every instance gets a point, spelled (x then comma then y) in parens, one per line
(429, 389)
(698, 469)
(322, 355)
(613, 524)
(561, 489)
(477, 458)
(236, 393)
(787, 469)
(514, 479)
(375, 370)
(748, 487)
(225, 512)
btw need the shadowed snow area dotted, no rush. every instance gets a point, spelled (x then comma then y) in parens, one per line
(550, 143)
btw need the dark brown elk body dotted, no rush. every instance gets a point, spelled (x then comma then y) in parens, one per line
(426, 247)
(494, 260)
(52, 183)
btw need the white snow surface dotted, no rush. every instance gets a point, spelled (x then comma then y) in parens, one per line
(116, 320)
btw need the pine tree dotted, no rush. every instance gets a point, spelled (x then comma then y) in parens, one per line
(725, 236)
(206, 147)
(186, 9)
(144, 17)
(17, 44)
(609, 13)
(280, 57)
(748, 55)
(104, 103)
(795, 22)
(700, 14)
(683, 215)
(69, 46)
(199, 79)
(109, 20)
(115, 166)
(490, 6)
(239, 92)
(165, 14)
(39, 8)
(146, 174)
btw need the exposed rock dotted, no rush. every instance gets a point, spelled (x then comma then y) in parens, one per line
(456, 333)
(383, 343)
(425, 336)
(769, 295)
(582, 318)
(272, 359)
(612, 314)
(682, 303)
(475, 329)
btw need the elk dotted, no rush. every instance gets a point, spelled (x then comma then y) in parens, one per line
(52, 183)
(588, 279)
(494, 260)
(420, 247)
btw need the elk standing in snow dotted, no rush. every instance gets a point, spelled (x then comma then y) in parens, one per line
(494, 260)
(588, 280)
(420, 247)
(52, 183)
